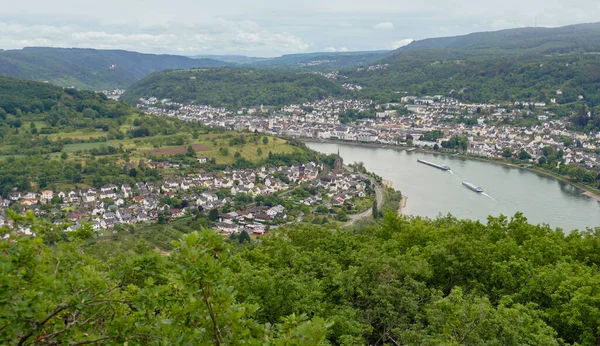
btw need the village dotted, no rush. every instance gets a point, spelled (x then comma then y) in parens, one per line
(233, 200)
(491, 130)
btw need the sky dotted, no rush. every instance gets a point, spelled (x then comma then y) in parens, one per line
(268, 27)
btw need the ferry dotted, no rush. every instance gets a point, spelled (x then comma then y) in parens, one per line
(472, 187)
(442, 167)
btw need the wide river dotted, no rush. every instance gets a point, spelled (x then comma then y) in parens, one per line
(432, 192)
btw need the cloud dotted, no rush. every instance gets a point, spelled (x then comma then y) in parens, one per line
(402, 43)
(384, 26)
(219, 36)
(333, 49)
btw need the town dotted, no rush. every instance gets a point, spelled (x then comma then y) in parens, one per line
(248, 200)
(490, 130)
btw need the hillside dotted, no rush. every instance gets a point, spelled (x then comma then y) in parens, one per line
(519, 64)
(234, 87)
(89, 68)
(322, 61)
(572, 38)
(318, 61)
(402, 282)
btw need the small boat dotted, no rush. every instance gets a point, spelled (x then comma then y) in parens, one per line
(472, 187)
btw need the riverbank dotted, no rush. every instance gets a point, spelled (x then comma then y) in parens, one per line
(403, 202)
(586, 191)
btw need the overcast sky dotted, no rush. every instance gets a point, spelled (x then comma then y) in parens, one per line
(268, 27)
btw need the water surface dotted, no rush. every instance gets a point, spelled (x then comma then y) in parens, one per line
(432, 192)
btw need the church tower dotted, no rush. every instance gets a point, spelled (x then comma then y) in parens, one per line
(339, 162)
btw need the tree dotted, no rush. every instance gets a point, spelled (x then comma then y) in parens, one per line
(244, 238)
(64, 155)
(265, 140)
(259, 152)
(375, 212)
(191, 152)
(213, 214)
(523, 155)
(342, 216)
(506, 153)
(436, 147)
(237, 155)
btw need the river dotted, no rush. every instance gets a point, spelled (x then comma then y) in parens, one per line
(432, 192)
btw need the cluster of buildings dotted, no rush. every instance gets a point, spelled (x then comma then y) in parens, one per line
(373, 67)
(113, 205)
(321, 120)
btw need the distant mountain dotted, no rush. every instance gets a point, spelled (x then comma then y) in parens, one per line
(89, 68)
(233, 59)
(323, 61)
(567, 39)
(234, 87)
(517, 64)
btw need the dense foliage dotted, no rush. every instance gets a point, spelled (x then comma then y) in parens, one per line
(233, 87)
(89, 68)
(322, 61)
(486, 78)
(528, 64)
(411, 282)
(580, 37)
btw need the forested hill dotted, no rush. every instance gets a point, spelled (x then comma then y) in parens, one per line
(567, 39)
(19, 97)
(528, 64)
(234, 87)
(89, 68)
(403, 282)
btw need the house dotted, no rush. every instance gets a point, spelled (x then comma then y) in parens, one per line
(126, 191)
(142, 217)
(76, 215)
(47, 196)
(29, 201)
(109, 188)
(177, 213)
(202, 159)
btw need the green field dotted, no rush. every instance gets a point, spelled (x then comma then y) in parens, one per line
(70, 148)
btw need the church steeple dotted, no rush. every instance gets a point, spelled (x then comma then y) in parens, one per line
(339, 162)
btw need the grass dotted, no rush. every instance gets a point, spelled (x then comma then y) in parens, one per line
(69, 148)
(78, 134)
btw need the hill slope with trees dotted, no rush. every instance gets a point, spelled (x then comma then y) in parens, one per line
(90, 68)
(402, 282)
(517, 64)
(234, 87)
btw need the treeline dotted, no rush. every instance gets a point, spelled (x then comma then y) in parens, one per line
(485, 78)
(34, 173)
(90, 69)
(234, 87)
(402, 281)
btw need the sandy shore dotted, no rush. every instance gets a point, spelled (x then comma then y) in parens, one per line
(403, 202)
(585, 191)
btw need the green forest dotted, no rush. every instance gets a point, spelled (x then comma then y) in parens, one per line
(486, 79)
(234, 87)
(90, 69)
(400, 282)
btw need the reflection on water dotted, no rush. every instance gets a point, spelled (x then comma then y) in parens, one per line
(433, 192)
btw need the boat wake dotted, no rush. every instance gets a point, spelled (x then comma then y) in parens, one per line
(488, 196)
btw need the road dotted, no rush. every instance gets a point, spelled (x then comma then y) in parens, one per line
(369, 212)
